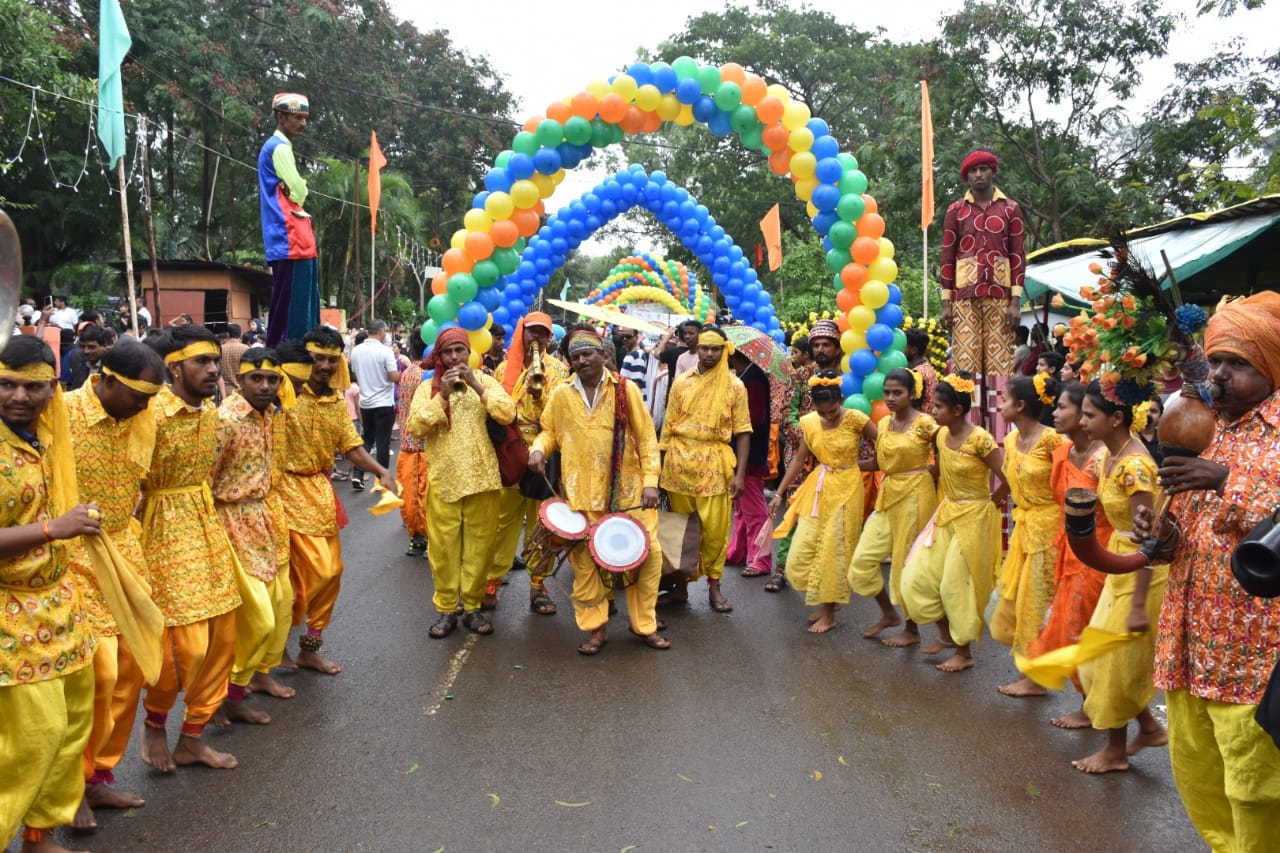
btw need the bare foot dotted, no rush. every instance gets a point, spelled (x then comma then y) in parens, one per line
(105, 797)
(243, 712)
(1021, 688)
(901, 640)
(817, 614)
(1144, 740)
(84, 821)
(263, 683)
(220, 720)
(155, 750)
(887, 620)
(1102, 761)
(1074, 720)
(931, 649)
(956, 663)
(47, 845)
(288, 664)
(822, 624)
(193, 750)
(312, 660)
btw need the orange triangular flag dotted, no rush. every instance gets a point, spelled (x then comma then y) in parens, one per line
(771, 228)
(376, 161)
(926, 157)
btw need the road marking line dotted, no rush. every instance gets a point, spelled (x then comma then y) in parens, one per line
(455, 669)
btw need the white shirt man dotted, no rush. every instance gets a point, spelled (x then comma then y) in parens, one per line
(373, 366)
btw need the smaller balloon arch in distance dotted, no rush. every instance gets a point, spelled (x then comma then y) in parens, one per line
(645, 278)
(481, 284)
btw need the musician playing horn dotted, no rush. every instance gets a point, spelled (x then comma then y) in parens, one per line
(610, 463)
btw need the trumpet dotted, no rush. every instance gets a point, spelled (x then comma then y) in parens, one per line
(536, 380)
(458, 385)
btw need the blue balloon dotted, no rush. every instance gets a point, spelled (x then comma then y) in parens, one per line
(557, 331)
(850, 384)
(658, 177)
(547, 161)
(501, 315)
(472, 316)
(778, 335)
(520, 167)
(489, 297)
(818, 127)
(570, 156)
(720, 124)
(879, 337)
(824, 147)
(704, 109)
(688, 91)
(480, 199)
(890, 316)
(895, 296)
(641, 73)
(497, 180)
(828, 170)
(664, 77)
(825, 197)
(745, 308)
(863, 361)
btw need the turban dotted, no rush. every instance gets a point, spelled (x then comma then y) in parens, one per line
(1249, 328)
(978, 157)
(291, 102)
(583, 339)
(449, 337)
(825, 329)
(515, 348)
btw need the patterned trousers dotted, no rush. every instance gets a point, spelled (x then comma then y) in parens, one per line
(981, 341)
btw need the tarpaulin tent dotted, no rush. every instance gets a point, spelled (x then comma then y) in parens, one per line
(1234, 251)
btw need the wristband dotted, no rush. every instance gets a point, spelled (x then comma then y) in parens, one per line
(44, 526)
(946, 295)
(1016, 290)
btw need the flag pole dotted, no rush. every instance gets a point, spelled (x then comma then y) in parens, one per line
(924, 274)
(128, 249)
(373, 242)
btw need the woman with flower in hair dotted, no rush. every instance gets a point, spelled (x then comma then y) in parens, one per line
(1026, 584)
(907, 499)
(826, 511)
(952, 566)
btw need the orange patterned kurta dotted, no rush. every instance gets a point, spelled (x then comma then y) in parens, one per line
(108, 475)
(44, 631)
(241, 480)
(699, 457)
(313, 430)
(188, 558)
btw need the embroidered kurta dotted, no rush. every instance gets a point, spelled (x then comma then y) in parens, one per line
(315, 428)
(699, 460)
(108, 475)
(460, 455)
(983, 249)
(44, 631)
(188, 558)
(1216, 641)
(241, 480)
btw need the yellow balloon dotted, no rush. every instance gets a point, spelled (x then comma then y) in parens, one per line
(810, 209)
(474, 359)
(684, 118)
(648, 97)
(625, 86)
(669, 107)
(848, 341)
(884, 269)
(779, 91)
(545, 185)
(859, 340)
(801, 138)
(499, 205)
(557, 177)
(886, 249)
(599, 88)
(795, 115)
(481, 340)
(524, 194)
(476, 219)
(803, 164)
(459, 239)
(874, 293)
(805, 188)
(844, 363)
(861, 318)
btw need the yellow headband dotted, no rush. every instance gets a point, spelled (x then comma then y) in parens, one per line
(816, 381)
(260, 364)
(54, 430)
(140, 385)
(194, 350)
(316, 348)
(1039, 381)
(341, 379)
(964, 386)
(35, 372)
(711, 339)
(297, 369)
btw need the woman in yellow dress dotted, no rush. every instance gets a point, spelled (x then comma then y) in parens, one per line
(826, 510)
(1027, 583)
(1119, 685)
(908, 496)
(952, 566)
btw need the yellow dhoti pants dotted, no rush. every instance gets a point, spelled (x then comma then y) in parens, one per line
(1228, 772)
(280, 591)
(117, 682)
(515, 511)
(315, 568)
(197, 661)
(460, 548)
(716, 514)
(590, 596)
(942, 587)
(44, 730)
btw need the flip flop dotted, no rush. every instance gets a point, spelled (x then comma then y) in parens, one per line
(592, 646)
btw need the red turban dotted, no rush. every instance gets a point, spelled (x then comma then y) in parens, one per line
(1250, 329)
(978, 157)
(449, 337)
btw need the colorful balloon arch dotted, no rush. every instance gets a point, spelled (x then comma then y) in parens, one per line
(495, 268)
(644, 278)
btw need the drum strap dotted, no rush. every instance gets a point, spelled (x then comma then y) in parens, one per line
(619, 440)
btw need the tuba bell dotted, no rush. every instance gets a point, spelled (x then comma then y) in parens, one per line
(536, 380)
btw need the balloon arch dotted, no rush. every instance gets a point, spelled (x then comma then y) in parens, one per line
(644, 278)
(505, 253)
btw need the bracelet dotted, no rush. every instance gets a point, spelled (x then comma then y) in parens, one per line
(44, 525)
(946, 295)
(1016, 290)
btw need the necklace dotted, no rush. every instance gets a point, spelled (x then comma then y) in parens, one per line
(893, 424)
(1115, 457)
(1027, 443)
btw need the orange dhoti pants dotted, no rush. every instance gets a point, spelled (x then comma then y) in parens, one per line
(117, 686)
(411, 477)
(197, 661)
(315, 566)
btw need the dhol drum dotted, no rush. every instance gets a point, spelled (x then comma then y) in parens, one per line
(565, 527)
(619, 543)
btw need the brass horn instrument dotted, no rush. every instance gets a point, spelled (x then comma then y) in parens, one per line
(535, 380)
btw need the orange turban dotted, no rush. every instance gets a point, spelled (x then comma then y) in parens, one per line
(1249, 328)
(515, 349)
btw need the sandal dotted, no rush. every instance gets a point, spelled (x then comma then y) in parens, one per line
(654, 640)
(478, 622)
(338, 475)
(776, 583)
(592, 646)
(752, 572)
(443, 626)
(542, 604)
(721, 606)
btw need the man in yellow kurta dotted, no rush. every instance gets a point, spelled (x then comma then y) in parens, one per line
(581, 420)
(707, 424)
(464, 484)
(46, 642)
(241, 480)
(189, 563)
(113, 435)
(515, 510)
(317, 427)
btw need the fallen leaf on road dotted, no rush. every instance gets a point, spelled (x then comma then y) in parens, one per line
(817, 775)
(738, 826)
(131, 813)
(684, 777)
(438, 850)
(711, 827)
(630, 847)
(494, 799)
(1033, 791)
(260, 824)
(572, 805)
(413, 768)
(842, 761)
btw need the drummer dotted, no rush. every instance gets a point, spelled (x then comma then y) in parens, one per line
(580, 418)
(517, 511)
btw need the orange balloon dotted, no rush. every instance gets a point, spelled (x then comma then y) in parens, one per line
(878, 411)
(479, 245)
(769, 110)
(531, 124)
(842, 323)
(852, 277)
(612, 108)
(440, 284)
(753, 91)
(527, 222)
(845, 299)
(633, 121)
(560, 111)
(865, 250)
(780, 161)
(732, 72)
(504, 233)
(870, 202)
(775, 137)
(652, 122)
(584, 105)
(455, 260)
(870, 225)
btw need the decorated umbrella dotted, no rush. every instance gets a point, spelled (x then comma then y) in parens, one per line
(767, 354)
(609, 315)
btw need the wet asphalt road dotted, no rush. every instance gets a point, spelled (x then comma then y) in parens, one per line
(749, 734)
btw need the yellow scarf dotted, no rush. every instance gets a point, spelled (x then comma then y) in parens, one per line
(341, 379)
(715, 380)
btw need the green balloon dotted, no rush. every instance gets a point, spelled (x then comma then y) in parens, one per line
(506, 259)
(685, 67)
(503, 158)
(853, 182)
(462, 288)
(577, 130)
(837, 258)
(890, 360)
(429, 332)
(859, 402)
(751, 137)
(520, 245)
(847, 160)
(709, 80)
(873, 386)
(616, 133)
(441, 309)
(485, 272)
(550, 133)
(899, 341)
(851, 207)
(728, 96)
(837, 282)
(743, 117)
(842, 234)
(525, 143)
(601, 134)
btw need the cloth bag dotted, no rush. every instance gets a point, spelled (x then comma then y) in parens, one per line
(680, 537)
(513, 453)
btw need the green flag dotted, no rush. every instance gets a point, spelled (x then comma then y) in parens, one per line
(564, 290)
(113, 46)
